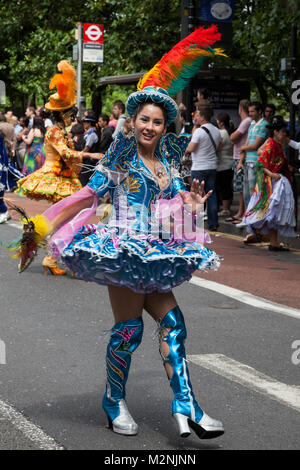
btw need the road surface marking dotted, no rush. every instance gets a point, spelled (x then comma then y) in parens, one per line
(15, 225)
(30, 430)
(236, 294)
(249, 377)
(246, 297)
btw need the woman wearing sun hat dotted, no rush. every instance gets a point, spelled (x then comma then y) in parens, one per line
(151, 242)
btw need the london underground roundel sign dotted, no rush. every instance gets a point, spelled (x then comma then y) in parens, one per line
(93, 33)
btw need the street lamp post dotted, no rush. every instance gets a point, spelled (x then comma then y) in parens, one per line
(293, 71)
(79, 70)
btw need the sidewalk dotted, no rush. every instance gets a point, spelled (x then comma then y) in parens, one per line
(228, 227)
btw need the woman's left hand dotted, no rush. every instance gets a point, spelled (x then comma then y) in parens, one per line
(196, 195)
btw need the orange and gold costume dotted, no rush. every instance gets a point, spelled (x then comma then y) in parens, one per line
(58, 177)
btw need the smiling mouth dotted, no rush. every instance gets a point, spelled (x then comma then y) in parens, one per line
(148, 136)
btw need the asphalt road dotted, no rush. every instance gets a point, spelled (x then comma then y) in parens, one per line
(54, 375)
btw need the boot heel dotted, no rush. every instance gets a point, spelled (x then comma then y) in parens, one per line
(183, 425)
(109, 423)
(45, 270)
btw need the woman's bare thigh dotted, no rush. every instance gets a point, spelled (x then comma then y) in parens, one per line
(158, 304)
(125, 303)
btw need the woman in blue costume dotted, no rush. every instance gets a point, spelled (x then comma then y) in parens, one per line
(137, 256)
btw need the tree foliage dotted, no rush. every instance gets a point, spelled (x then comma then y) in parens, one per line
(37, 34)
(262, 36)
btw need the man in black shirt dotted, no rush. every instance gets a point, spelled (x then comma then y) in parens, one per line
(105, 132)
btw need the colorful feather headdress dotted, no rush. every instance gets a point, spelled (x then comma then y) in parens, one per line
(66, 86)
(175, 70)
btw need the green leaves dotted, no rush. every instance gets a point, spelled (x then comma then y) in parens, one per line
(37, 34)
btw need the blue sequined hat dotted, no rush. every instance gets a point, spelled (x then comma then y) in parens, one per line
(156, 95)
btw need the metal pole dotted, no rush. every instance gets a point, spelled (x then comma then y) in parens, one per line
(293, 111)
(293, 78)
(79, 68)
(188, 91)
(191, 17)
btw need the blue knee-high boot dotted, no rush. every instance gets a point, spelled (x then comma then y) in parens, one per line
(124, 339)
(185, 409)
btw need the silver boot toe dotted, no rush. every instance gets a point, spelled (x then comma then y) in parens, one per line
(124, 423)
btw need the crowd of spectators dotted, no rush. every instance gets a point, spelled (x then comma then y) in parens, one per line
(223, 156)
(90, 133)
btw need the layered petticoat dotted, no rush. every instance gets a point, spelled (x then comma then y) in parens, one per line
(44, 184)
(152, 241)
(134, 260)
(122, 256)
(279, 213)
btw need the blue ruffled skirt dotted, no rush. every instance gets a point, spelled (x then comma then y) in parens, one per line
(143, 263)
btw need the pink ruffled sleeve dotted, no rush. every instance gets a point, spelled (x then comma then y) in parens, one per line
(88, 199)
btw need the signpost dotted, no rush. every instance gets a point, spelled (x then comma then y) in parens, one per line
(89, 49)
(93, 43)
(2, 92)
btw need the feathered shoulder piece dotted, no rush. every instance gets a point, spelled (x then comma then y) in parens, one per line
(173, 146)
(175, 69)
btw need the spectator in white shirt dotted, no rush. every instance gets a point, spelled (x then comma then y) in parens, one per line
(118, 112)
(224, 166)
(238, 138)
(204, 146)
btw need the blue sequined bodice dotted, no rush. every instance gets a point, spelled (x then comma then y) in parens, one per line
(132, 186)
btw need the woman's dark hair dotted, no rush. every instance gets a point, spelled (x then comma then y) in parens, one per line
(77, 129)
(38, 123)
(204, 92)
(225, 119)
(56, 117)
(140, 107)
(25, 120)
(44, 113)
(276, 124)
(183, 113)
(104, 117)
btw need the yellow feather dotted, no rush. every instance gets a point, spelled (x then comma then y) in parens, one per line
(42, 226)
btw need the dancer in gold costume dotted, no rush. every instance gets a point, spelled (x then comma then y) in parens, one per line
(58, 177)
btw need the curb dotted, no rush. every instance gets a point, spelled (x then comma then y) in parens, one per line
(228, 227)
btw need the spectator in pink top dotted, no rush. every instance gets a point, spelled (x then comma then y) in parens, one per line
(238, 139)
(112, 121)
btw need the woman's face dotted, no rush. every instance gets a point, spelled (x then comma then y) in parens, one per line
(280, 135)
(197, 118)
(68, 117)
(149, 125)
